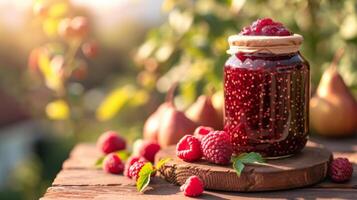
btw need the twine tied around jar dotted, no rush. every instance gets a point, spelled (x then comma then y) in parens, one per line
(264, 44)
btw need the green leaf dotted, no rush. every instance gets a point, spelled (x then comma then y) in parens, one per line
(251, 157)
(144, 176)
(246, 158)
(238, 166)
(162, 162)
(142, 183)
(99, 162)
(123, 155)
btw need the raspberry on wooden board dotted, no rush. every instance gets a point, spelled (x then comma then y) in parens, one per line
(189, 148)
(202, 131)
(217, 148)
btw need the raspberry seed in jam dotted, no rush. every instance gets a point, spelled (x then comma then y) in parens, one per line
(266, 91)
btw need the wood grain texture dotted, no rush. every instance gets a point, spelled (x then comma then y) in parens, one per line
(83, 156)
(90, 177)
(306, 168)
(171, 192)
(80, 180)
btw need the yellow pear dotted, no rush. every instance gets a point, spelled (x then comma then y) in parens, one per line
(203, 113)
(167, 125)
(218, 104)
(333, 109)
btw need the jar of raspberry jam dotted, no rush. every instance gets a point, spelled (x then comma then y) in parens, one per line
(266, 91)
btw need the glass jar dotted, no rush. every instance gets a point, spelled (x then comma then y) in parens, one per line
(266, 93)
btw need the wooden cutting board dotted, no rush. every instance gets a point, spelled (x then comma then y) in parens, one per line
(305, 168)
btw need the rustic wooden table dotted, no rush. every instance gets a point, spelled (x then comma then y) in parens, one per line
(80, 180)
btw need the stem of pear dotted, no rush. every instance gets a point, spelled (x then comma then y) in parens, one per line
(337, 57)
(170, 94)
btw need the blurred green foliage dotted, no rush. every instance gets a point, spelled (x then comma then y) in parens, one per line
(190, 46)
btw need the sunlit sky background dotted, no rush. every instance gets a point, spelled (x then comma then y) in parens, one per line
(12, 12)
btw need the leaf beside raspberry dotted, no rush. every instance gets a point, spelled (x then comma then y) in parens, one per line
(246, 158)
(123, 155)
(162, 162)
(144, 176)
(145, 173)
(99, 162)
(238, 166)
(251, 157)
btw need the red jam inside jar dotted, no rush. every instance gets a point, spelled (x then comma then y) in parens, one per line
(266, 102)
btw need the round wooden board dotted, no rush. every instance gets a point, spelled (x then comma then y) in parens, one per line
(305, 168)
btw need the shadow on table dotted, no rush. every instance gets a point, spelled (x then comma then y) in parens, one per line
(337, 144)
(305, 194)
(159, 186)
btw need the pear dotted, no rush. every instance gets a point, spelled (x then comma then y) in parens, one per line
(136, 146)
(174, 126)
(152, 124)
(218, 104)
(167, 125)
(333, 109)
(203, 113)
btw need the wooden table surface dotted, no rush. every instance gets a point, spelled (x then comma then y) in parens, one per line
(80, 180)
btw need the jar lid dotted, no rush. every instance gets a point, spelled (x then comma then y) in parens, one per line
(264, 44)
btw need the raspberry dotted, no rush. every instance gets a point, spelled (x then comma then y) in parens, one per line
(266, 26)
(202, 131)
(193, 187)
(189, 148)
(110, 141)
(340, 170)
(217, 147)
(148, 150)
(113, 164)
(131, 160)
(135, 168)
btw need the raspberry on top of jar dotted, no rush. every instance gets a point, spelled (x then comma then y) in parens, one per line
(266, 27)
(265, 36)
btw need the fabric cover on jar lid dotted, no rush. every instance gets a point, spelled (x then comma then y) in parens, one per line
(264, 44)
